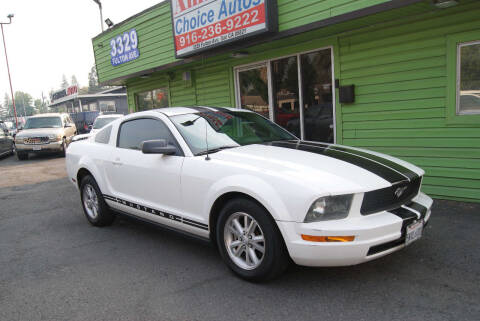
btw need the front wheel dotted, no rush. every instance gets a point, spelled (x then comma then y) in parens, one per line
(94, 206)
(250, 242)
(63, 149)
(22, 155)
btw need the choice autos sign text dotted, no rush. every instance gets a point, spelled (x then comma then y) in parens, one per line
(202, 24)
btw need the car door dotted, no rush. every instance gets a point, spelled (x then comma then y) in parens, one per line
(3, 141)
(146, 180)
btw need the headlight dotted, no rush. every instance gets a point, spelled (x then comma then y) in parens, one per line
(54, 137)
(329, 208)
(19, 140)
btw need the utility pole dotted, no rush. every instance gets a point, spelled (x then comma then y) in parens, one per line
(10, 16)
(101, 14)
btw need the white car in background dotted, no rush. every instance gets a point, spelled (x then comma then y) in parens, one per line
(100, 122)
(255, 190)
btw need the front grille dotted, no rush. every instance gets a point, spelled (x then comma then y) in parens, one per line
(36, 140)
(385, 199)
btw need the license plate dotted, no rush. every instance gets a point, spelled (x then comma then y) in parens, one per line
(37, 147)
(414, 232)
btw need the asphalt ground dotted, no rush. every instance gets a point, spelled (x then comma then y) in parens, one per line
(55, 266)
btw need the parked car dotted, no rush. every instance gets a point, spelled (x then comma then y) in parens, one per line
(6, 141)
(45, 133)
(255, 190)
(100, 122)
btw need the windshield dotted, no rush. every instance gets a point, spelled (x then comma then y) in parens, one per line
(100, 122)
(225, 129)
(43, 122)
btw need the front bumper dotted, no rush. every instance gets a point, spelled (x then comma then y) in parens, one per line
(376, 235)
(38, 148)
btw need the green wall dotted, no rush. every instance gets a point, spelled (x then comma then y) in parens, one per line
(398, 62)
(156, 38)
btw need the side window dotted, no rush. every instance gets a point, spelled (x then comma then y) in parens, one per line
(134, 132)
(103, 136)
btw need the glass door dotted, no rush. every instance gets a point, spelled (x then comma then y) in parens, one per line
(296, 92)
(252, 90)
(316, 71)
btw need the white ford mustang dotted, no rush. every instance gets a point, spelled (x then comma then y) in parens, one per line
(260, 194)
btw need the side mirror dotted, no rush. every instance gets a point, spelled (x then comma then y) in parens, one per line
(158, 146)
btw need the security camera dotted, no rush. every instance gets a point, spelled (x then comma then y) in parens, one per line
(10, 16)
(109, 22)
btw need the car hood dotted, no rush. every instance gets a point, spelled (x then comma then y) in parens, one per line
(323, 167)
(35, 132)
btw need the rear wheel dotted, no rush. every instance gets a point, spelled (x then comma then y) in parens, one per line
(94, 206)
(250, 242)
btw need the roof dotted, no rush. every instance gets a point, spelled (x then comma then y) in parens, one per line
(174, 111)
(48, 115)
(110, 116)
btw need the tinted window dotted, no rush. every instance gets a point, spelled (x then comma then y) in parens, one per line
(103, 136)
(43, 122)
(134, 132)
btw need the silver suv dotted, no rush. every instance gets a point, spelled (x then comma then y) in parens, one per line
(45, 133)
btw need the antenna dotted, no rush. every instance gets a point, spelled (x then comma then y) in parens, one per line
(206, 139)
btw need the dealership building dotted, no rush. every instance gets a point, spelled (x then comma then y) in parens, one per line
(400, 77)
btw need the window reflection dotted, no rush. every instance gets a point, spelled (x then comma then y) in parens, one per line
(254, 90)
(317, 95)
(469, 100)
(153, 99)
(285, 93)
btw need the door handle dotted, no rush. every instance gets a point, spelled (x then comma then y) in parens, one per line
(117, 162)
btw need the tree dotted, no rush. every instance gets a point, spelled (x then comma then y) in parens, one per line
(74, 81)
(93, 80)
(64, 84)
(41, 106)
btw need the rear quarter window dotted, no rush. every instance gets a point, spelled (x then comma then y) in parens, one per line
(103, 136)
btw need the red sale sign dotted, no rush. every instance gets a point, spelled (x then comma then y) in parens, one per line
(200, 25)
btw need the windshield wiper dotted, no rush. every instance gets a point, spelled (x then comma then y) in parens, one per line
(214, 150)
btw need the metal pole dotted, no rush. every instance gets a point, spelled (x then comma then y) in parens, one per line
(101, 18)
(9, 78)
(101, 14)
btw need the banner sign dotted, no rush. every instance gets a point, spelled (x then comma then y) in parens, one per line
(64, 93)
(199, 25)
(124, 48)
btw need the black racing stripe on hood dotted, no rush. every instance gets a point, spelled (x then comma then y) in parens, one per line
(383, 171)
(399, 168)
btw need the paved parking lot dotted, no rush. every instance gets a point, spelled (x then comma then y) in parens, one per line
(55, 266)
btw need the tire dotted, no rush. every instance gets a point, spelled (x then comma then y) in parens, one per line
(93, 203)
(63, 151)
(272, 262)
(22, 155)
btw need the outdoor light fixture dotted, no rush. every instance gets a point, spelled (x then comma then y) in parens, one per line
(240, 54)
(109, 22)
(10, 16)
(442, 4)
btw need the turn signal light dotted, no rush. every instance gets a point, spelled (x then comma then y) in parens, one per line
(313, 238)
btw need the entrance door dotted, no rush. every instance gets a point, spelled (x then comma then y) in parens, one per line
(296, 92)
(253, 85)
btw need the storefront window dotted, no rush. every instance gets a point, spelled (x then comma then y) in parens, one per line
(468, 86)
(253, 85)
(285, 93)
(107, 106)
(153, 99)
(317, 95)
(93, 107)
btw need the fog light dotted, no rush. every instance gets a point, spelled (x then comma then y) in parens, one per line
(313, 238)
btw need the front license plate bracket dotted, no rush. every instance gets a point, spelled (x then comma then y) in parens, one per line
(414, 232)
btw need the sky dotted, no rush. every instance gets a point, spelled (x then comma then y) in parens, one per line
(49, 38)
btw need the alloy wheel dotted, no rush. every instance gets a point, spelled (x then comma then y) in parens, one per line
(244, 241)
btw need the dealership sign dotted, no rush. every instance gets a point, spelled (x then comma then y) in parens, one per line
(200, 25)
(124, 48)
(64, 94)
